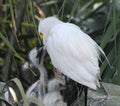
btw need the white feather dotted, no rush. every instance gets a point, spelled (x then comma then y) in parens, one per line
(53, 97)
(39, 85)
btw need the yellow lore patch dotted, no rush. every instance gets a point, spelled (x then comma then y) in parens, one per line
(41, 35)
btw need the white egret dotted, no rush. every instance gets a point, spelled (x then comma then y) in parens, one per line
(53, 97)
(72, 51)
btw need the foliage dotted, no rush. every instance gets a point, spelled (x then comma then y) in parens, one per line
(18, 33)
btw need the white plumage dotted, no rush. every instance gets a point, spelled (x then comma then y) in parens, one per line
(72, 51)
(53, 97)
(38, 88)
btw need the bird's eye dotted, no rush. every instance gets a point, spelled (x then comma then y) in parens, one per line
(41, 35)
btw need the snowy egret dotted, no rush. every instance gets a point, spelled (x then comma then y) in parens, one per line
(38, 88)
(72, 51)
(53, 97)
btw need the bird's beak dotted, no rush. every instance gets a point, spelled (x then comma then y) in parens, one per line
(40, 53)
(41, 36)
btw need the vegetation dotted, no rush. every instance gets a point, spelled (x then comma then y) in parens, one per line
(18, 34)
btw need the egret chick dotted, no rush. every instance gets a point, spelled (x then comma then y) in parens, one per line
(53, 97)
(38, 88)
(72, 51)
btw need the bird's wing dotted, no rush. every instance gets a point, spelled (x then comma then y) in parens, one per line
(74, 54)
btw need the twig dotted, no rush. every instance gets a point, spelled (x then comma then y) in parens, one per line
(39, 10)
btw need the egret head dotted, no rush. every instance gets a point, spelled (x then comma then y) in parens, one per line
(32, 57)
(56, 85)
(45, 26)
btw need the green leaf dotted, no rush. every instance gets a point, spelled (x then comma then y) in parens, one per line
(107, 36)
(11, 47)
(22, 92)
(2, 84)
(33, 19)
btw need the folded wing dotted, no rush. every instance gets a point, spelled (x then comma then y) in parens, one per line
(74, 54)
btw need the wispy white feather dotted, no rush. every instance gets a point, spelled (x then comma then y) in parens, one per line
(53, 97)
(38, 88)
(72, 51)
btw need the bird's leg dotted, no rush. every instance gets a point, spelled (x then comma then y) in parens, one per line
(81, 90)
(40, 54)
(107, 93)
(85, 92)
(68, 90)
(66, 80)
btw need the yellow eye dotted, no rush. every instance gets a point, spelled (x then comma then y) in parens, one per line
(41, 35)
